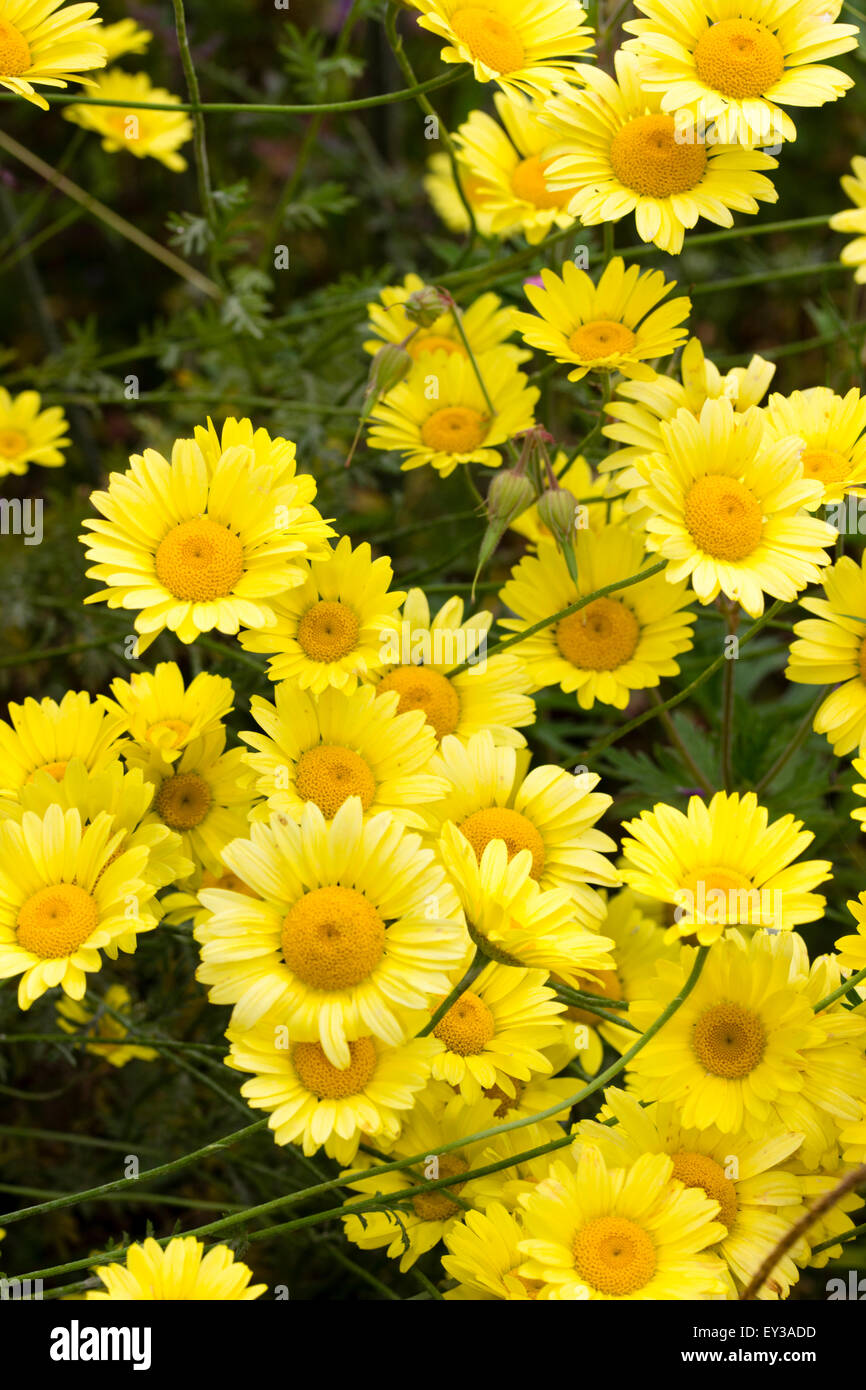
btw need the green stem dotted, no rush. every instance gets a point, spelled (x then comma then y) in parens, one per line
(575, 607)
(162, 1171)
(405, 66)
(108, 216)
(263, 108)
(795, 742)
(732, 616)
(675, 738)
(477, 965)
(849, 984)
(205, 192)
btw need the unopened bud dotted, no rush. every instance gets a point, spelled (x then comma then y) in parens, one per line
(557, 510)
(388, 368)
(425, 306)
(508, 496)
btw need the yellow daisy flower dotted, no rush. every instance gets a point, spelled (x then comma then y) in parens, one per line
(612, 326)
(486, 322)
(618, 152)
(334, 627)
(45, 734)
(195, 547)
(124, 37)
(833, 431)
(356, 923)
(442, 191)
(180, 1272)
(739, 64)
(75, 1018)
(745, 1051)
(638, 407)
(318, 1105)
(325, 748)
(66, 895)
(743, 1175)
(854, 219)
(724, 864)
(161, 717)
(203, 797)
(125, 796)
(492, 1034)
(509, 165)
(42, 42)
(29, 434)
(830, 649)
(132, 128)
(440, 415)
(548, 812)
(512, 920)
(626, 641)
(729, 508)
(523, 45)
(594, 1232)
(423, 652)
(484, 1257)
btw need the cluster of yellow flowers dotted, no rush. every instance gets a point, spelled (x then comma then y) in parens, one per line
(427, 942)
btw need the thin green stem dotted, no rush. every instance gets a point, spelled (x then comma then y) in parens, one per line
(849, 984)
(477, 965)
(261, 108)
(161, 1171)
(732, 617)
(795, 742)
(575, 607)
(676, 739)
(205, 192)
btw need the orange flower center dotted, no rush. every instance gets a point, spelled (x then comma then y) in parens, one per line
(647, 157)
(200, 561)
(490, 39)
(739, 58)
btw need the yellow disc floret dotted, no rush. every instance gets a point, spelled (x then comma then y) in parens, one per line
(501, 823)
(200, 560)
(454, 430)
(647, 157)
(420, 688)
(438, 1206)
(55, 770)
(602, 338)
(433, 342)
(14, 52)
(615, 1256)
(12, 442)
(333, 938)
(328, 631)
(490, 39)
(467, 1027)
(528, 183)
(330, 774)
(728, 1040)
(55, 921)
(827, 465)
(183, 801)
(723, 517)
(699, 1170)
(739, 58)
(599, 637)
(334, 1083)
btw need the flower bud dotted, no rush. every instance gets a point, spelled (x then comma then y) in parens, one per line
(424, 306)
(509, 494)
(557, 510)
(389, 367)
